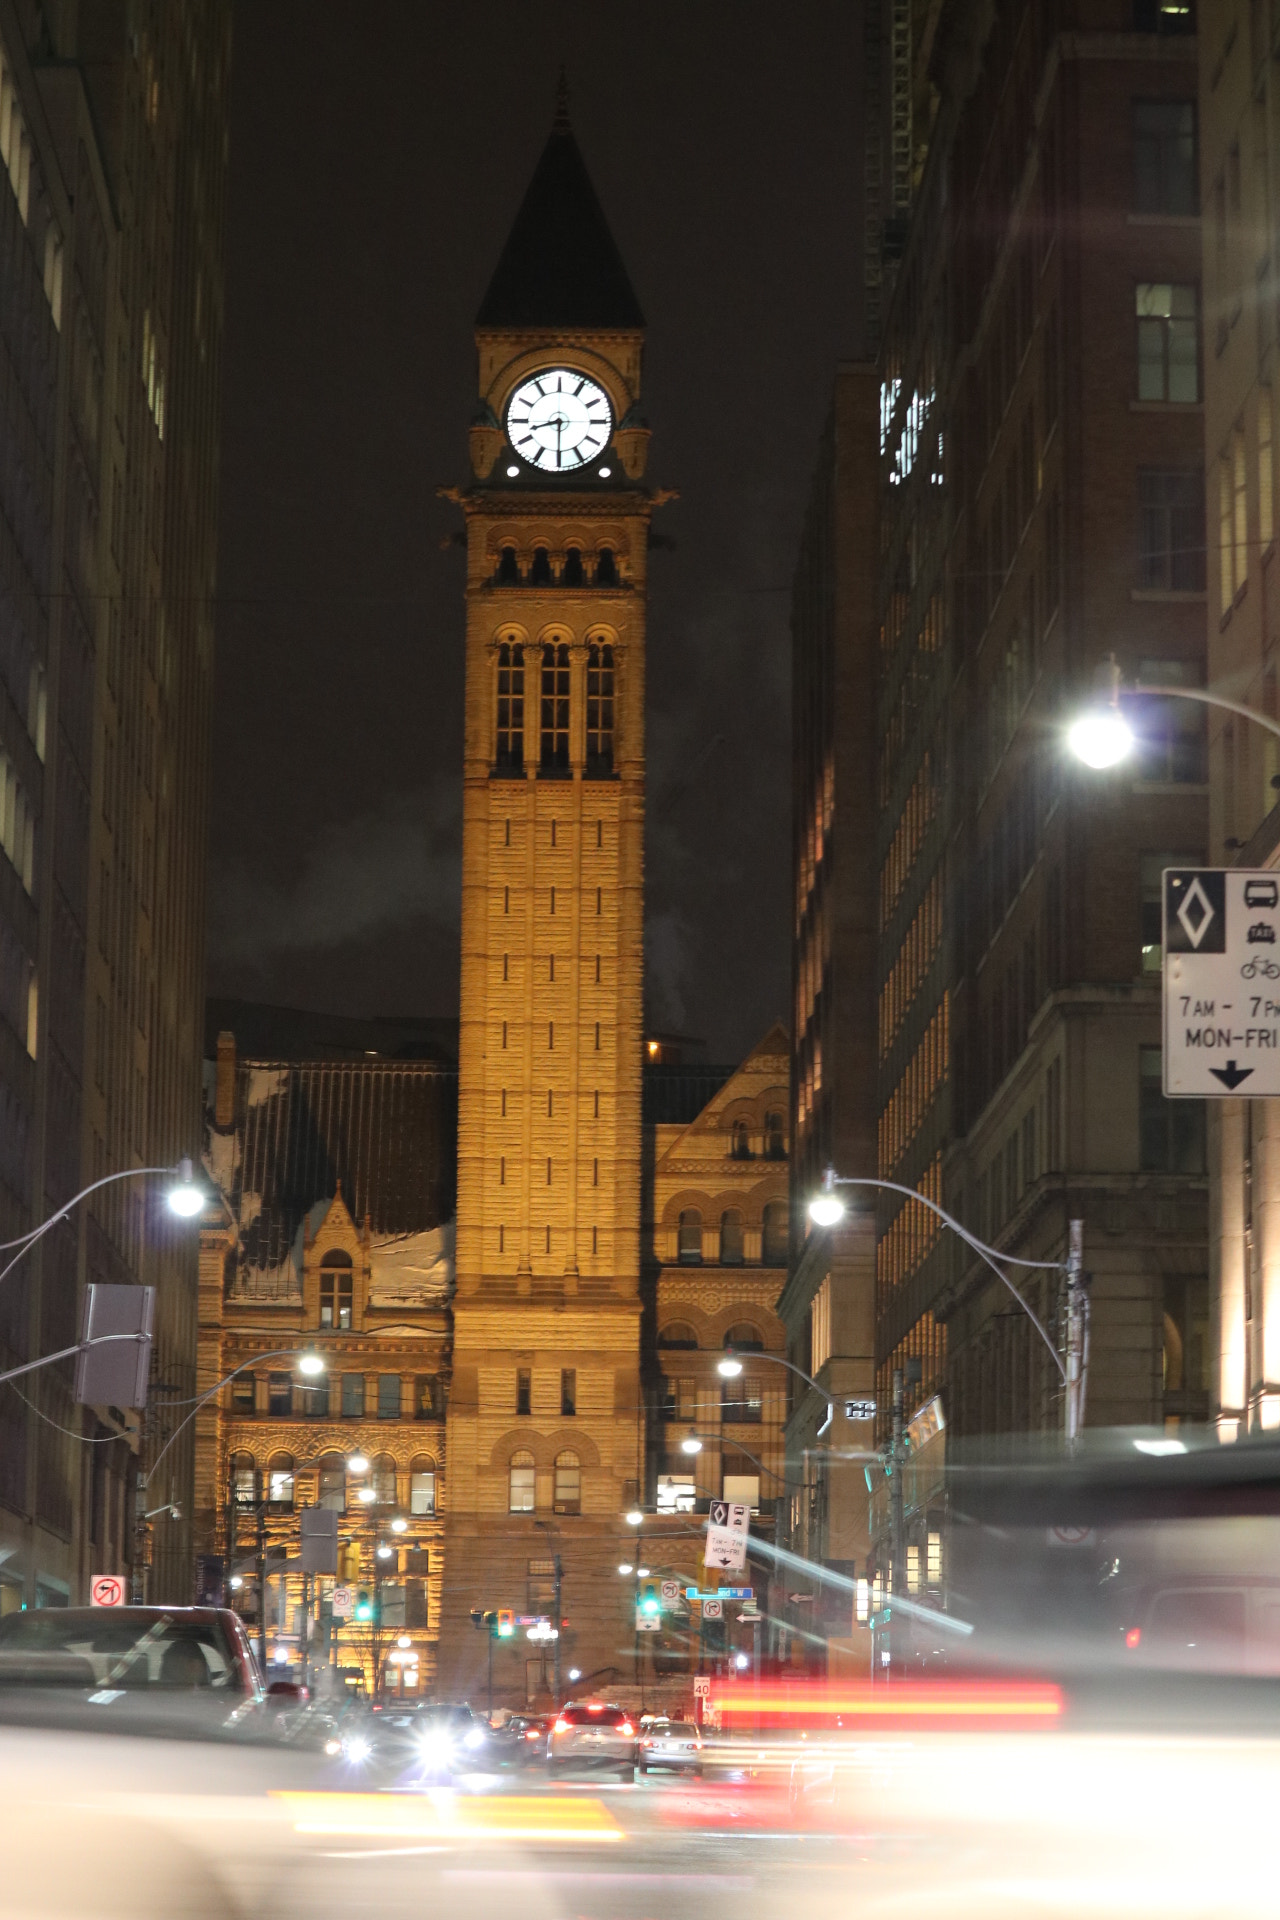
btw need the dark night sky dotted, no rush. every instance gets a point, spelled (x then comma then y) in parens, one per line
(378, 154)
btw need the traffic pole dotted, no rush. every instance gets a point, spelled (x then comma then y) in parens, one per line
(898, 1527)
(1077, 1335)
(559, 1631)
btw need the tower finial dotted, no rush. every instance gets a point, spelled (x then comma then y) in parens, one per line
(561, 122)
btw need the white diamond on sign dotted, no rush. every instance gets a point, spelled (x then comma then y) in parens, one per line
(718, 1513)
(1221, 983)
(726, 1549)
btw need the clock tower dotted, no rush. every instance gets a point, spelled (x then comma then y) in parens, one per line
(545, 1436)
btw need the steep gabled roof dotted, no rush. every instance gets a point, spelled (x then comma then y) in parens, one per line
(560, 267)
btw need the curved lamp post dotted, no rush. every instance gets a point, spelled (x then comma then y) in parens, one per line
(1102, 737)
(827, 1209)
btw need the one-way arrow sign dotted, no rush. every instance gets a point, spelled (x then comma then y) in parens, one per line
(1231, 1075)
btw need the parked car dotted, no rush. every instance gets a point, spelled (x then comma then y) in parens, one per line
(592, 1734)
(671, 1743)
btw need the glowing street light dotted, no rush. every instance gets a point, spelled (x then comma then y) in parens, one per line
(635, 1518)
(399, 1524)
(729, 1368)
(826, 1209)
(356, 1463)
(311, 1363)
(625, 1567)
(690, 1444)
(1102, 738)
(368, 1495)
(385, 1553)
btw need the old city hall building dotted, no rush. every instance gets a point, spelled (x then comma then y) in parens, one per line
(529, 1388)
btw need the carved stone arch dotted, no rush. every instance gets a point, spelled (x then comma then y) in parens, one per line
(682, 1313)
(554, 633)
(513, 631)
(739, 1313)
(542, 1446)
(687, 1197)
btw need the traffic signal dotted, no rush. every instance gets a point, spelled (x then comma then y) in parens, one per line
(506, 1623)
(364, 1606)
(479, 1619)
(348, 1563)
(650, 1598)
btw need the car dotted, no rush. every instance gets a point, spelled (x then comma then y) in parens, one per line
(433, 1741)
(137, 1669)
(594, 1735)
(672, 1744)
(528, 1734)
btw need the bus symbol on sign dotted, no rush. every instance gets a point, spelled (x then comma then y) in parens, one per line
(107, 1590)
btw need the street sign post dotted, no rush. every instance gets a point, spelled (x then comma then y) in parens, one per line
(344, 1603)
(106, 1590)
(712, 1609)
(670, 1592)
(702, 1686)
(1221, 983)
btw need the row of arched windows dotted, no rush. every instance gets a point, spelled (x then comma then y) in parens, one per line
(576, 569)
(773, 1252)
(775, 1138)
(551, 664)
(522, 1488)
(338, 1489)
(742, 1338)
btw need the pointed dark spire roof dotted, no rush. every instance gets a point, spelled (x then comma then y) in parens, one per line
(560, 267)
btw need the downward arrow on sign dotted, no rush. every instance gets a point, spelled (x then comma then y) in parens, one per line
(1231, 1075)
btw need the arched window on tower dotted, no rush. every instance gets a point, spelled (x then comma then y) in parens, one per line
(555, 709)
(520, 1483)
(244, 1479)
(690, 1237)
(606, 568)
(508, 568)
(573, 575)
(741, 1149)
(568, 1493)
(510, 745)
(599, 709)
(774, 1137)
(540, 571)
(731, 1238)
(775, 1235)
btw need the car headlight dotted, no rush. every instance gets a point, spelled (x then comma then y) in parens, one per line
(356, 1749)
(333, 1746)
(473, 1739)
(435, 1748)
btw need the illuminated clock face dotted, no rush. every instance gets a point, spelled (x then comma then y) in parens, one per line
(559, 420)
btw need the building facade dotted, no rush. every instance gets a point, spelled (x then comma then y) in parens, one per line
(113, 126)
(332, 1236)
(1239, 125)
(828, 1303)
(1042, 509)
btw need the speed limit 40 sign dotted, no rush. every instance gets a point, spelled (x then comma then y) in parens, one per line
(106, 1590)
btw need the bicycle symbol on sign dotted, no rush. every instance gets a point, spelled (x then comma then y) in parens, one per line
(1268, 968)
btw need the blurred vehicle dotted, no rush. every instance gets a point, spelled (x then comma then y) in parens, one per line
(188, 1670)
(1142, 1573)
(591, 1734)
(432, 1742)
(529, 1734)
(671, 1744)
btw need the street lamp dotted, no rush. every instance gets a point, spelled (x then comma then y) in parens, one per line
(1102, 737)
(399, 1524)
(625, 1567)
(826, 1208)
(635, 1518)
(691, 1444)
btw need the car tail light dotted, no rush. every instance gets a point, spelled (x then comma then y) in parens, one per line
(532, 1734)
(627, 1729)
(1134, 1637)
(561, 1726)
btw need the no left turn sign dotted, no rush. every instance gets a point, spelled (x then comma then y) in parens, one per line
(107, 1590)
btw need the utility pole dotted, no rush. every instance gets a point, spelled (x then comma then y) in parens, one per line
(897, 1523)
(493, 1634)
(262, 1587)
(1077, 1318)
(559, 1626)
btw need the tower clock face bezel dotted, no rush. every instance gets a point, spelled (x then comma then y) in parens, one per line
(559, 420)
